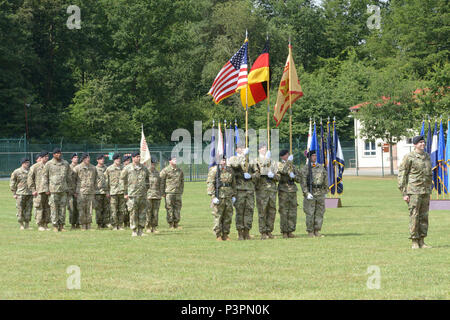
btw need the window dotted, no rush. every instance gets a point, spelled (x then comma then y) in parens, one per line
(370, 148)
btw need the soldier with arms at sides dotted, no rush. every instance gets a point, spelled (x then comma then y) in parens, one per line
(23, 195)
(172, 181)
(40, 198)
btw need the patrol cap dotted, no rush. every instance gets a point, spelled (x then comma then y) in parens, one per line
(172, 157)
(125, 158)
(116, 156)
(84, 156)
(74, 155)
(283, 152)
(310, 153)
(154, 160)
(100, 157)
(43, 153)
(262, 145)
(56, 150)
(23, 160)
(417, 139)
(135, 154)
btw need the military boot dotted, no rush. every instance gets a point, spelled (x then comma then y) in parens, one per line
(141, 232)
(318, 234)
(73, 227)
(285, 235)
(247, 235)
(415, 244)
(55, 229)
(291, 235)
(176, 226)
(263, 236)
(311, 235)
(225, 237)
(61, 228)
(270, 235)
(22, 227)
(155, 230)
(240, 235)
(171, 226)
(423, 245)
(218, 238)
(41, 228)
(134, 233)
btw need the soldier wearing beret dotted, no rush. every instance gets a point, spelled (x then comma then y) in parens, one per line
(126, 215)
(415, 183)
(22, 194)
(102, 196)
(154, 194)
(314, 183)
(74, 218)
(172, 182)
(40, 198)
(117, 200)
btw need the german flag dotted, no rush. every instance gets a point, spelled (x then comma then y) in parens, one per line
(258, 79)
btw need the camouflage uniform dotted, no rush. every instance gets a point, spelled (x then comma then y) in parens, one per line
(223, 211)
(315, 208)
(24, 202)
(245, 192)
(415, 181)
(266, 194)
(135, 181)
(57, 180)
(287, 196)
(74, 217)
(172, 182)
(40, 202)
(86, 180)
(154, 198)
(117, 201)
(101, 198)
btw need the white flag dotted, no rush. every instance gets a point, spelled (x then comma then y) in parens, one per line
(145, 152)
(220, 146)
(308, 145)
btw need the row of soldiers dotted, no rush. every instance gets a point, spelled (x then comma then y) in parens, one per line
(124, 194)
(238, 181)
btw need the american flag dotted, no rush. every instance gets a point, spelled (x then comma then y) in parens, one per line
(232, 77)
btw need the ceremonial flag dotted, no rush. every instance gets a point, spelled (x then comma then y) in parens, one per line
(236, 134)
(220, 151)
(258, 78)
(429, 139)
(441, 158)
(339, 162)
(229, 143)
(330, 161)
(434, 158)
(289, 90)
(314, 145)
(232, 77)
(308, 144)
(447, 160)
(422, 130)
(323, 147)
(144, 151)
(212, 152)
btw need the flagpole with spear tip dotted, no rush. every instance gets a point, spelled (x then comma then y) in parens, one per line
(246, 98)
(268, 104)
(334, 162)
(290, 105)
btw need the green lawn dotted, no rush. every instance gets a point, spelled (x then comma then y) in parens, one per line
(370, 230)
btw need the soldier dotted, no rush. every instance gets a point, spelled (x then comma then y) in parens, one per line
(102, 196)
(246, 174)
(266, 192)
(172, 182)
(74, 218)
(287, 194)
(415, 183)
(86, 181)
(221, 185)
(135, 180)
(40, 198)
(126, 215)
(153, 198)
(22, 194)
(57, 180)
(314, 183)
(117, 200)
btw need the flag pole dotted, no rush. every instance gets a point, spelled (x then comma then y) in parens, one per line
(334, 162)
(246, 98)
(268, 104)
(290, 103)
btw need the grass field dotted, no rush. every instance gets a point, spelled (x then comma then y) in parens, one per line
(370, 230)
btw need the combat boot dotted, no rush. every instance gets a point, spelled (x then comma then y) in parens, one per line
(423, 245)
(247, 235)
(291, 235)
(176, 226)
(155, 230)
(311, 235)
(240, 235)
(170, 226)
(22, 227)
(225, 237)
(270, 235)
(73, 227)
(55, 229)
(263, 236)
(141, 232)
(41, 228)
(285, 235)
(318, 234)
(134, 233)
(149, 230)
(61, 228)
(415, 244)
(27, 225)
(218, 238)
(46, 227)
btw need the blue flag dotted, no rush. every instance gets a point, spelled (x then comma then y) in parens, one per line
(422, 130)
(429, 139)
(330, 161)
(441, 158)
(236, 135)
(446, 165)
(338, 161)
(212, 152)
(434, 158)
(314, 145)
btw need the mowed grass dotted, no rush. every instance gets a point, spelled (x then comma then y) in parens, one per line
(371, 229)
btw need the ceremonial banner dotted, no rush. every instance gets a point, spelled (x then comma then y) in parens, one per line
(144, 151)
(339, 162)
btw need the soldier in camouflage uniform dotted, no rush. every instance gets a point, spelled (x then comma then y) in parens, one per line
(221, 186)
(102, 196)
(22, 194)
(117, 200)
(172, 182)
(314, 198)
(266, 192)
(36, 185)
(86, 180)
(135, 181)
(287, 194)
(415, 183)
(153, 198)
(74, 218)
(126, 215)
(57, 179)
(246, 174)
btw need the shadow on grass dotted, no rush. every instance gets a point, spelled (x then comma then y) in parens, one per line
(343, 234)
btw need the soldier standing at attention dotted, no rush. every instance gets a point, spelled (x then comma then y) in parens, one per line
(126, 214)
(266, 192)
(415, 183)
(172, 181)
(74, 218)
(153, 198)
(102, 196)
(22, 194)
(287, 194)
(245, 174)
(86, 180)
(135, 180)
(117, 201)
(314, 183)
(57, 179)
(36, 185)
(221, 186)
